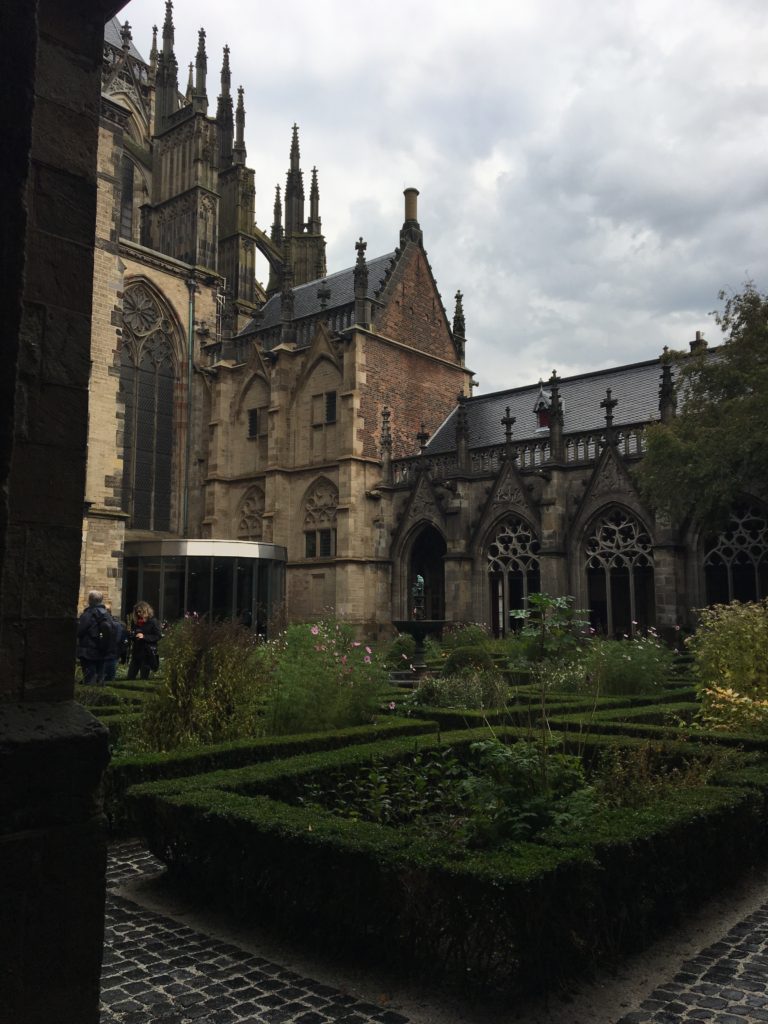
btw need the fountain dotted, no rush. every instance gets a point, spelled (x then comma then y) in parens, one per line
(418, 627)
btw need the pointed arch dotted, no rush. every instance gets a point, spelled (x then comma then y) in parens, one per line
(735, 560)
(318, 516)
(419, 549)
(511, 557)
(617, 556)
(250, 512)
(149, 378)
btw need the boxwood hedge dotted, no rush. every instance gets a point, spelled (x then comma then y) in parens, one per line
(517, 919)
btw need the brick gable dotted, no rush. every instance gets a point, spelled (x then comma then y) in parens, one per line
(413, 312)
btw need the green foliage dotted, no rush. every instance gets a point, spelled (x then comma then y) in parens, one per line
(398, 655)
(212, 689)
(471, 688)
(622, 667)
(551, 627)
(469, 657)
(730, 650)
(714, 449)
(466, 634)
(322, 678)
(422, 789)
(518, 790)
(637, 776)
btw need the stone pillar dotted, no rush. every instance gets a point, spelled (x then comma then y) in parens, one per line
(52, 752)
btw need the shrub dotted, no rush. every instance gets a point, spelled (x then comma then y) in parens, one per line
(212, 689)
(730, 651)
(466, 634)
(399, 652)
(468, 658)
(473, 688)
(620, 667)
(322, 679)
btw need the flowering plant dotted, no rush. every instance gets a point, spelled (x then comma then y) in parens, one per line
(323, 678)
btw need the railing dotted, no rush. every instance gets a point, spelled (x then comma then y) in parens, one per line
(578, 448)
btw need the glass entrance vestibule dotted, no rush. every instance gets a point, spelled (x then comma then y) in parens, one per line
(215, 579)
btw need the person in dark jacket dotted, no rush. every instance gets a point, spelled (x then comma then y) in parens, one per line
(88, 648)
(145, 636)
(115, 646)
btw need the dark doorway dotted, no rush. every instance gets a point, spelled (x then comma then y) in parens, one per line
(427, 556)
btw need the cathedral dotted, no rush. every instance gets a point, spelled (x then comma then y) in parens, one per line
(310, 445)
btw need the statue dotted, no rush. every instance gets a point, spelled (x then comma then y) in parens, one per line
(417, 592)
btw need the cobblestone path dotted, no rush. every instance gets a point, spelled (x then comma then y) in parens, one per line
(727, 983)
(157, 971)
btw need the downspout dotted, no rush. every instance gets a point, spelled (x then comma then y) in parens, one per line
(192, 286)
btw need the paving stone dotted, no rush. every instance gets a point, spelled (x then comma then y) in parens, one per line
(158, 971)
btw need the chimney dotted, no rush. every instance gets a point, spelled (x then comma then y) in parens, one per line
(698, 344)
(411, 231)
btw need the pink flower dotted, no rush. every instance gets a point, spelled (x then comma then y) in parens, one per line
(356, 643)
(392, 705)
(367, 660)
(315, 630)
(368, 650)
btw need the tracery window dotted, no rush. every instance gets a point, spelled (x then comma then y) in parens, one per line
(619, 564)
(250, 523)
(736, 560)
(147, 384)
(513, 568)
(320, 521)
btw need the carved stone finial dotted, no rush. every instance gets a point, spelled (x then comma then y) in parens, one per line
(125, 35)
(609, 404)
(508, 421)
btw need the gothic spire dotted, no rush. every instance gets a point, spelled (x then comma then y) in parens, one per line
(314, 227)
(190, 83)
(168, 31)
(277, 224)
(459, 328)
(360, 276)
(556, 451)
(609, 404)
(294, 190)
(238, 152)
(153, 51)
(200, 96)
(167, 73)
(225, 115)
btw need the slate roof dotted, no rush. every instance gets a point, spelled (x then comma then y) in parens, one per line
(306, 302)
(635, 387)
(113, 37)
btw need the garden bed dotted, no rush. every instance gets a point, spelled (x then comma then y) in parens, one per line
(521, 917)
(129, 770)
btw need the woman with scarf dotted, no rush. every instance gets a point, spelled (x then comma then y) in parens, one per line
(145, 636)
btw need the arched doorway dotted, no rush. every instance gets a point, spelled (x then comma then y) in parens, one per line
(736, 559)
(427, 554)
(513, 570)
(619, 563)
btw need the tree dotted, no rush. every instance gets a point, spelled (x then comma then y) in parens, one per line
(716, 448)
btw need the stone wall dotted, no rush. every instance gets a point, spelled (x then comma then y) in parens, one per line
(52, 752)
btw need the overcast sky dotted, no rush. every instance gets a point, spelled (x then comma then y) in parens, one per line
(591, 173)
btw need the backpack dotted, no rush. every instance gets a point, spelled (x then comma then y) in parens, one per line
(104, 632)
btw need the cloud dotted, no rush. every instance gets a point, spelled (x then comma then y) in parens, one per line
(591, 175)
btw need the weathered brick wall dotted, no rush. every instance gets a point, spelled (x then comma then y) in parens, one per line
(415, 387)
(413, 312)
